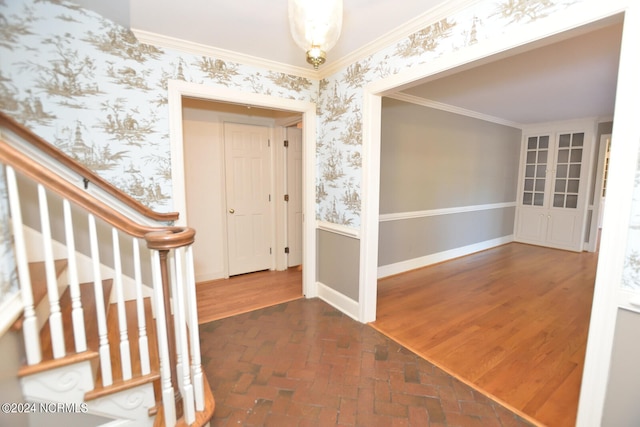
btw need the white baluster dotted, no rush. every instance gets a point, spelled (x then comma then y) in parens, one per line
(168, 400)
(192, 324)
(30, 322)
(125, 353)
(181, 339)
(55, 315)
(176, 321)
(105, 357)
(143, 342)
(77, 312)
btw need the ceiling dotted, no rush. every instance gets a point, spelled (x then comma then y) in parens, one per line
(571, 78)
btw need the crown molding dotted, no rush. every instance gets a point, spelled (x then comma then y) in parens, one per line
(453, 109)
(199, 49)
(441, 11)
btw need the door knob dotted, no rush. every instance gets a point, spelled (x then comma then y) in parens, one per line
(231, 210)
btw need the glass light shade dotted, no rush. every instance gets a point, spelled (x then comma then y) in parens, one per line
(315, 26)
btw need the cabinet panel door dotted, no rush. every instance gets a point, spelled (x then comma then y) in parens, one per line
(532, 225)
(564, 229)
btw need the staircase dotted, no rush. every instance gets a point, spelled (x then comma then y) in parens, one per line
(110, 318)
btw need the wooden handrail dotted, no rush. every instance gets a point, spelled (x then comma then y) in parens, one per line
(165, 238)
(162, 239)
(28, 136)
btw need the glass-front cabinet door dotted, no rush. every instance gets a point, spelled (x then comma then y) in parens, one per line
(552, 206)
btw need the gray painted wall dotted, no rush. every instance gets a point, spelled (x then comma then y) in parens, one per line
(433, 159)
(417, 237)
(338, 262)
(621, 407)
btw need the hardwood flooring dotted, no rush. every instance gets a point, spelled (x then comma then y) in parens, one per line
(511, 321)
(247, 292)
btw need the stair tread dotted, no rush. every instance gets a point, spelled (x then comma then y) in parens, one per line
(87, 296)
(38, 276)
(114, 348)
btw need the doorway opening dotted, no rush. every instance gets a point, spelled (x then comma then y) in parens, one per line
(439, 94)
(270, 116)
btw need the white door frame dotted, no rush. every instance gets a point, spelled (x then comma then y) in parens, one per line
(623, 168)
(177, 89)
(598, 186)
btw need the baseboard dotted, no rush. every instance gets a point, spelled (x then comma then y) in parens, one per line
(339, 301)
(412, 264)
(208, 277)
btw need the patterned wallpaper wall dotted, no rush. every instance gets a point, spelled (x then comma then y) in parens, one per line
(8, 273)
(340, 100)
(87, 85)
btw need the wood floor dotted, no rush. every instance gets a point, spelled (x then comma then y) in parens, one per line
(218, 299)
(510, 321)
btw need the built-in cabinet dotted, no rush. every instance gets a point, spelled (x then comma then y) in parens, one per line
(552, 190)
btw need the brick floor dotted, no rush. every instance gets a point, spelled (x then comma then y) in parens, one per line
(304, 363)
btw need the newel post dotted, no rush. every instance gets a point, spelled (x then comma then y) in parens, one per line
(163, 242)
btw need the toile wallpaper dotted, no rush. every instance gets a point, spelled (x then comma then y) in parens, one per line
(86, 85)
(340, 102)
(8, 273)
(631, 272)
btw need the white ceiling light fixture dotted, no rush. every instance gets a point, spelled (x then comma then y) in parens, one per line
(315, 27)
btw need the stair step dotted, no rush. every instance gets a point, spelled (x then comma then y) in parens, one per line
(38, 275)
(114, 339)
(202, 418)
(87, 296)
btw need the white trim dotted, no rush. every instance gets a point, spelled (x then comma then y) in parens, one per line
(343, 230)
(399, 216)
(199, 49)
(10, 310)
(338, 300)
(412, 264)
(420, 22)
(629, 300)
(405, 97)
(178, 89)
(615, 229)
(370, 227)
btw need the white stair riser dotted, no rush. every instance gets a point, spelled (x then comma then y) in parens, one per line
(132, 404)
(64, 384)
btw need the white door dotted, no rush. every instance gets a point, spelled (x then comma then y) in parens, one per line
(294, 191)
(568, 201)
(248, 177)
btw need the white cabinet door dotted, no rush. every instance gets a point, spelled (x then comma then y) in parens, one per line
(531, 226)
(247, 162)
(553, 188)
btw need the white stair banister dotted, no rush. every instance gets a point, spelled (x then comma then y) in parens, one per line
(182, 346)
(77, 312)
(125, 351)
(173, 290)
(55, 316)
(192, 323)
(105, 357)
(143, 342)
(30, 322)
